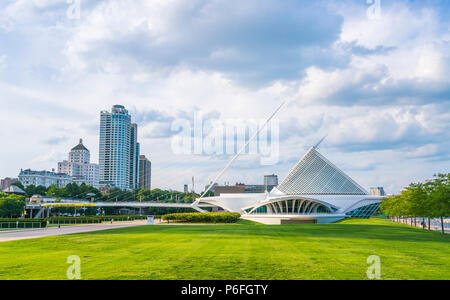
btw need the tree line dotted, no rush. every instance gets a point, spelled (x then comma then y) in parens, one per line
(428, 200)
(11, 206)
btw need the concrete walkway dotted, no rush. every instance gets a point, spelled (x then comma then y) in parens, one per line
(14, 235)
(419, 226)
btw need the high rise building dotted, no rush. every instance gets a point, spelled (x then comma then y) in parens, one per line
(377, 191)
(6, 182)
(145, 173)
(119, 150)
(79, 166)
(134, 158)
(270, 181)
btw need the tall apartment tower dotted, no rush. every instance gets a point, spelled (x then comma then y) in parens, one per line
(377, 191)
(145, 173)
(134, 158)
(118, 149)
(270, 181)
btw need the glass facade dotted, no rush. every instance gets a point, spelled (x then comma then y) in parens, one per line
(291, 206)
(315, 175)
(364, 212)
(118, 155)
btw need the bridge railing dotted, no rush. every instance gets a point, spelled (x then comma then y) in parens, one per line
(17, 225)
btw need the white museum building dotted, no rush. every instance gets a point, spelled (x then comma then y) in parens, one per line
(315, 191)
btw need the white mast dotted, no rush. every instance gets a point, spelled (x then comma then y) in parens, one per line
(237, 155)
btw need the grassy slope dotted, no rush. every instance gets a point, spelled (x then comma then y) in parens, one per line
(328, 251)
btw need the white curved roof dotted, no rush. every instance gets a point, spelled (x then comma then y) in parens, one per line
(316, 175)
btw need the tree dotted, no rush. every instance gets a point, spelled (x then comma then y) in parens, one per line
(19, 184)
(40, 190)
(144, 194)
(11, 206)
(72, 190)
(439, 190)
(431, 200)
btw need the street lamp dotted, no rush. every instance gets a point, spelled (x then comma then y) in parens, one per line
(91, 195)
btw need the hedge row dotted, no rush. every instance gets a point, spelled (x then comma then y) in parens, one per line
(22, 223)
(203, 217)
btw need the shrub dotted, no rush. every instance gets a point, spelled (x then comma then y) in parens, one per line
(203, 217)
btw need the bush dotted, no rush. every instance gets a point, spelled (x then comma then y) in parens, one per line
(23, 223)
(203, 217)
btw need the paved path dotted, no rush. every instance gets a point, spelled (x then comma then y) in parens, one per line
(432, 227)
(52, 231)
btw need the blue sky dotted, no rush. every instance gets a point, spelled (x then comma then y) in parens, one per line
(380, 88)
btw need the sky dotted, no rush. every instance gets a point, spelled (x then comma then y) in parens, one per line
(371, 75)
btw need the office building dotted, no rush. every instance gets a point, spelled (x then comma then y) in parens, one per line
(145, 173)
(6, 182)
(377, 191)
(270, 181)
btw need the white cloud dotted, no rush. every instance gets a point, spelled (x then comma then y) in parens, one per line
(378, 88)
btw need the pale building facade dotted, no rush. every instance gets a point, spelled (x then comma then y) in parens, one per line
(79, 166)
(44, 178)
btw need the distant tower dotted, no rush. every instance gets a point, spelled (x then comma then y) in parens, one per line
(79, 166)
(377, 191)
(270, 181)
(134, 158)
(145, 173)
(79, 154)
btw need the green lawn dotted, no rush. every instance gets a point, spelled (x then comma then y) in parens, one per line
(243, 251)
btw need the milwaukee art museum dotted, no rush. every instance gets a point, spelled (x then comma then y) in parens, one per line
(315, 191)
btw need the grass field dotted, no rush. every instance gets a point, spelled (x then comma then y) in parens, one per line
(243, 251)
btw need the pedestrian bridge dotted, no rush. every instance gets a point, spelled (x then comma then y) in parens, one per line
(42, 207)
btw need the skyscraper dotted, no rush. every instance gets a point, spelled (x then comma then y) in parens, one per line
(377, 191)
(134, 158)
(145, 173)
(270, 181)
(118, 149)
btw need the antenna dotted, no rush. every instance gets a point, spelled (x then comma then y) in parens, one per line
(238, 154)
(320, 142)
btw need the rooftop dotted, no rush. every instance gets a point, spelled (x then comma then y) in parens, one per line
(80, 146)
